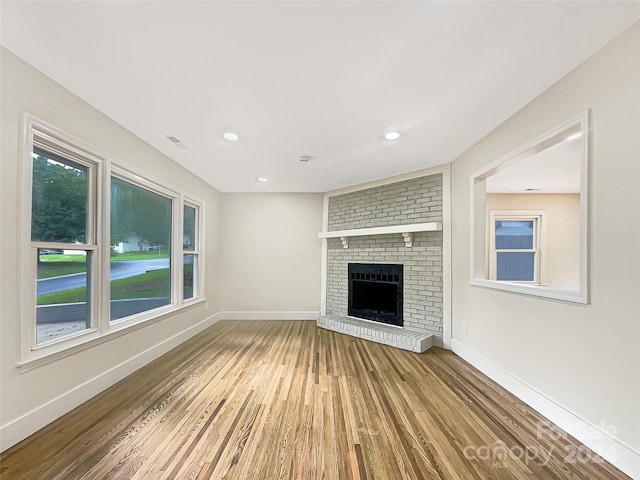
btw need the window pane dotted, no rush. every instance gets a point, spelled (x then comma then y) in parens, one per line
(190, 276)
(516, 266)
(62, 306)
(59, 199)
(141, 242)
(189, 242)
(514, 234)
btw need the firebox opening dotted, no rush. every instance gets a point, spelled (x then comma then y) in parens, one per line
(375, 292)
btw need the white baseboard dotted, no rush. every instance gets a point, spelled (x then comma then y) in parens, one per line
(600, 441)
(20, 428)
(255, 315)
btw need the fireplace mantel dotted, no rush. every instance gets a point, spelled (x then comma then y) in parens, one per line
(405, 230)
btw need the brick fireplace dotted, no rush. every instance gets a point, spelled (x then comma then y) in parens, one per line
(395, 224)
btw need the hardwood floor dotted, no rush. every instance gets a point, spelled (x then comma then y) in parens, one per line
(280, 400)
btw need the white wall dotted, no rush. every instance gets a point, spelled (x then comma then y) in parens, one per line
(585, 359)
(562, 253)
(271, 253)
(25, 396)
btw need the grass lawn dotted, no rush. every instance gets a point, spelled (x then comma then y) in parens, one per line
(148, 285)
(62, 258)
(115, 257)
(56, 265)
(121, 257)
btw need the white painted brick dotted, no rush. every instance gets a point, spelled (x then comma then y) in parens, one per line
(419, 200)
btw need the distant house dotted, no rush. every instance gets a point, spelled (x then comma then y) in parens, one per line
(133, 243)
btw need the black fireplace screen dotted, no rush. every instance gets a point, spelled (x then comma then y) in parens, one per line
(375, 292)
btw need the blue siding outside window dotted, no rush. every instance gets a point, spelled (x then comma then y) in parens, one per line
(515, 235)
(516, 266)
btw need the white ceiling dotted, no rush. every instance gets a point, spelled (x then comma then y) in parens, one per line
(553, 170)
(325, 79)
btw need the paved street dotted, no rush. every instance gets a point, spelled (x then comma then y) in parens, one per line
(118, 270)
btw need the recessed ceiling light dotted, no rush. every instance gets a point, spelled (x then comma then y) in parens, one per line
(304, 158)
(574, 136)
(262, 179)
(392, 135)
(230, 136)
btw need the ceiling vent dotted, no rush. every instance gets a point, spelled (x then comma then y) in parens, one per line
(176, 142)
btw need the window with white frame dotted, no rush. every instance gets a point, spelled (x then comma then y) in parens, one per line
(140, 255)
(515, 246)
(104, 247)
(190, 251)
(64, 238)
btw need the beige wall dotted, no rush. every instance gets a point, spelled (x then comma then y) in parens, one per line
(271, 259)
(562, 253)
(584, 358)
(26, 90)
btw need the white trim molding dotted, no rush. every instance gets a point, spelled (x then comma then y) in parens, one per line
(600, 441)
(325, 249)
(21, 427)
(446, 256)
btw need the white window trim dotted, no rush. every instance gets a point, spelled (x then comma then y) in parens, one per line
(34, 355)
(143, 181)
(539, 242)
(197, 253)
(70, 147)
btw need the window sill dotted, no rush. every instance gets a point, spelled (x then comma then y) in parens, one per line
(573, 296)
(44, 354)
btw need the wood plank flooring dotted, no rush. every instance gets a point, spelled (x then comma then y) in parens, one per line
(284, 400)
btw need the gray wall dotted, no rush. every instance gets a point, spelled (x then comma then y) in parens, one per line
(416, 200)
